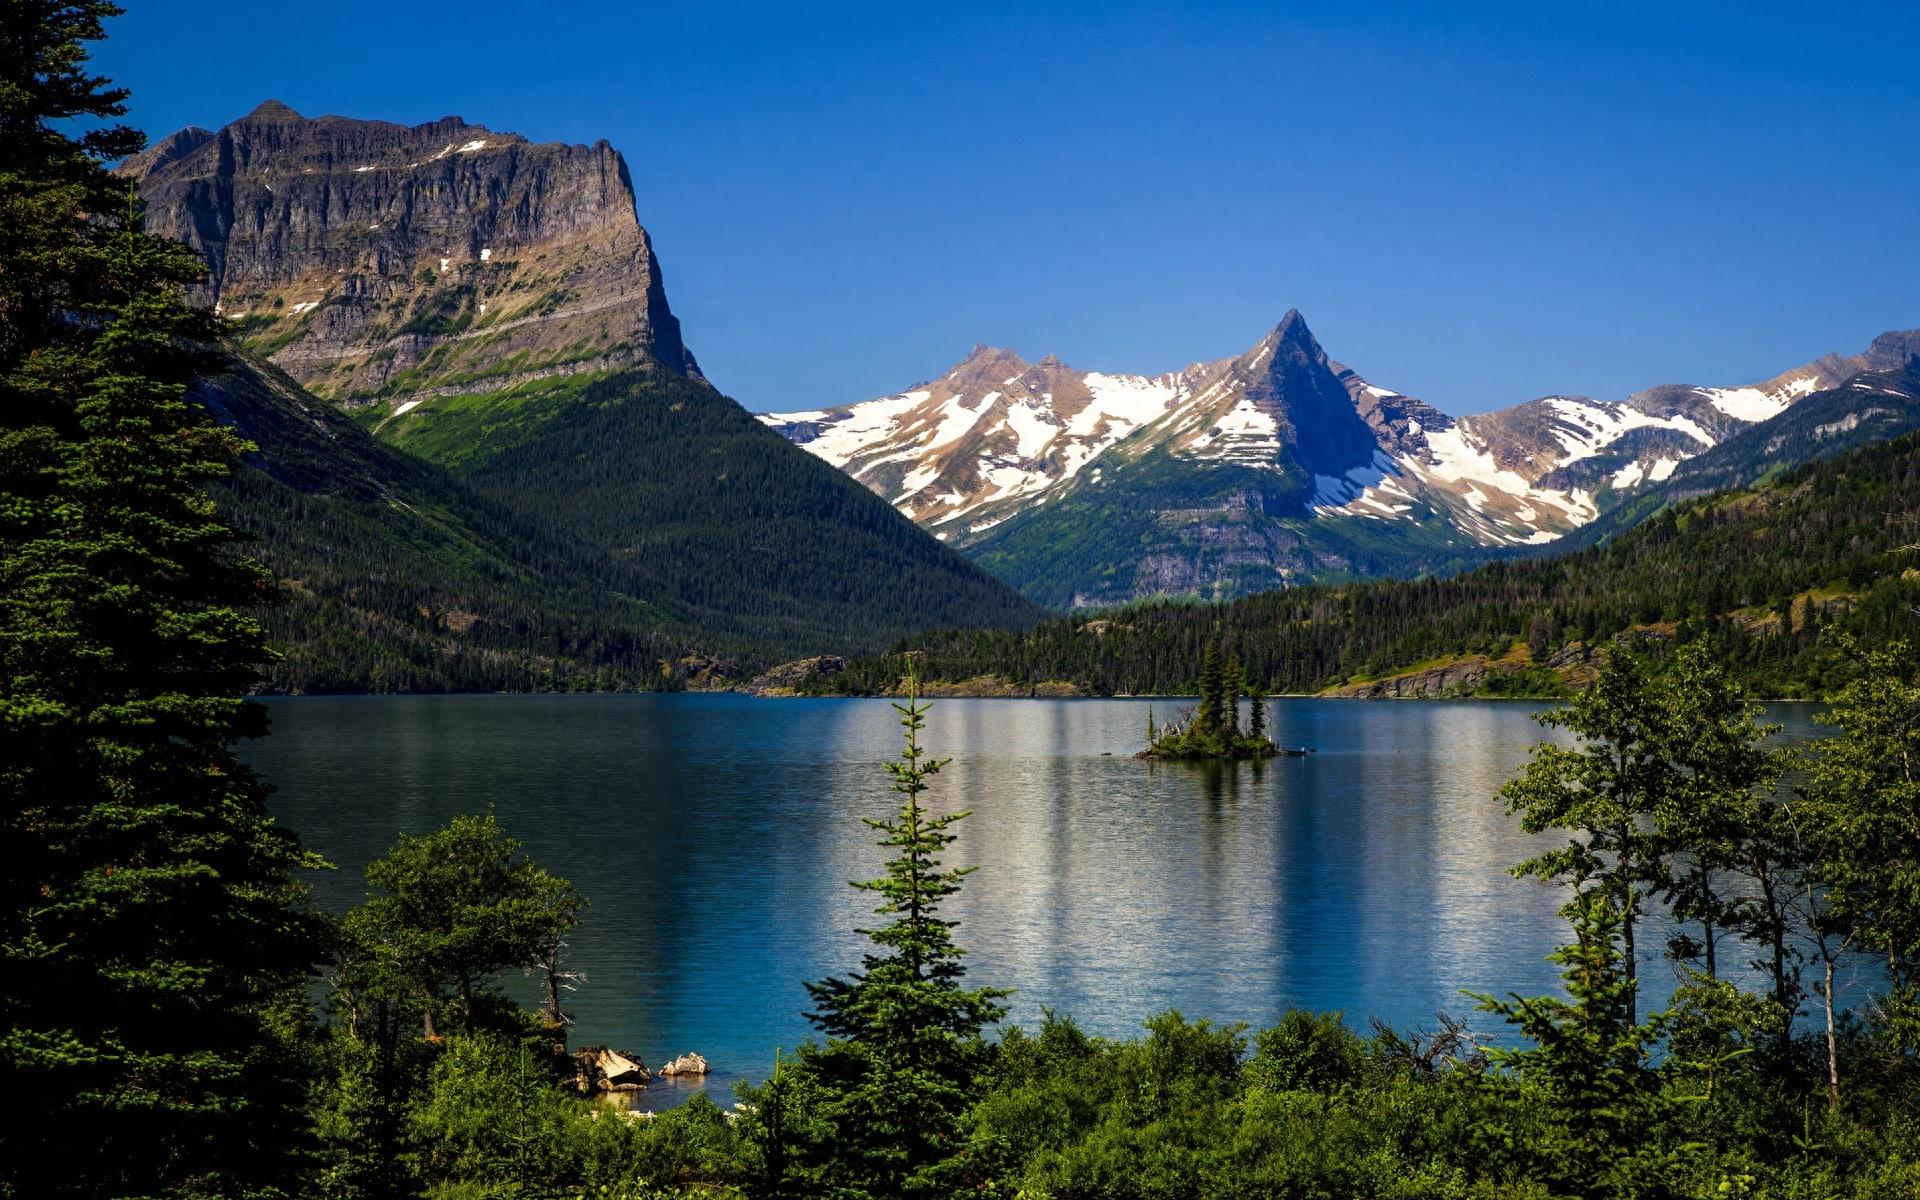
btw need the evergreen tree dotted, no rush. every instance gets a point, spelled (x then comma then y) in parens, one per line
(1257, 716)
(1587, 1058)
(1211, 717)
(1236, 686)
(904, 1042)
(155, 937)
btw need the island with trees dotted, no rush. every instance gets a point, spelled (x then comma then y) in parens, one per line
(1211, 729)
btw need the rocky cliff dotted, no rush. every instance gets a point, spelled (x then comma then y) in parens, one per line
(383, 264)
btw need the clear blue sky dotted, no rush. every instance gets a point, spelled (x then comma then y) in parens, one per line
(1475, 205)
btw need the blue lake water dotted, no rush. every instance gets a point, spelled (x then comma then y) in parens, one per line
(716, 835)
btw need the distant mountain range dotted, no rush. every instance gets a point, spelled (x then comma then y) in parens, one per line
(528, 455)
(1281, 466)
(1765, 575)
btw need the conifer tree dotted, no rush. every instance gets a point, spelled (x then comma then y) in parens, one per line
(904, 1039)
(1236, 687)
(448, 912)
(150, 919)
(1211, 716)
(1587, 1055)
(1257, 716)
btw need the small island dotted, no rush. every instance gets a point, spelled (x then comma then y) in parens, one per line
(1212, 730)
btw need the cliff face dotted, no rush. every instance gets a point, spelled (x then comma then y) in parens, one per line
(379, 264)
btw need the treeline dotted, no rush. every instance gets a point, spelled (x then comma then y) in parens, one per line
(1762, 576)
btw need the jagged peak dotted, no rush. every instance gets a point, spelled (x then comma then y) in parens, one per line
(273, 110)
(1291, 335)
(989, 360)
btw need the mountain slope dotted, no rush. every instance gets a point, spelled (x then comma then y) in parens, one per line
(691, 500)
(495, 307)
(1275, 467)
(396, 577)
(1767, 574)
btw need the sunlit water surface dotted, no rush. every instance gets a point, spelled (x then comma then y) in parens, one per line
(716, 836)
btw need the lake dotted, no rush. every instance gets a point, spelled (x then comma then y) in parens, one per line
(716, 835)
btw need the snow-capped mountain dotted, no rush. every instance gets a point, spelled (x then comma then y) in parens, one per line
(1276, 465)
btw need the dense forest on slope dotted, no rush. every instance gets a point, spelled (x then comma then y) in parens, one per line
(1765, 574)
(695, 504)
(394, 576)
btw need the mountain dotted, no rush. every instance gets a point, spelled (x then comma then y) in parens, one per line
(494, 307)
(1278, 466)
(377, 263)
(1767, 574)
(395, 576)
(1879, 402)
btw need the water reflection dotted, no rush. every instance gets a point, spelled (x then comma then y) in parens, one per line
(716, 836)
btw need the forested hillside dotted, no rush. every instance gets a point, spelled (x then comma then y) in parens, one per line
(1767, 575)
(691, 500)
(394, 576)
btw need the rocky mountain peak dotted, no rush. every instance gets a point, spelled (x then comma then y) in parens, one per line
(1892, 351)
(272, 110)
(1288, 376)
(986, 363)
(385, 264)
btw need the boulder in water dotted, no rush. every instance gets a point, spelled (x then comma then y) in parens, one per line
(686, 1064)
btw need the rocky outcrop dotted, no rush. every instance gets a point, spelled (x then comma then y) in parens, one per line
(686, 1064)
(601, 1069)
(787, 678)
(1456, 678)
(379, 263)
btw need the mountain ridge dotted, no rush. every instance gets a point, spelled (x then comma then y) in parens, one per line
(1420, 490)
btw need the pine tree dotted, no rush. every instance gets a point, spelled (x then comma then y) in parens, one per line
(450, 911)
(1211, 717)
(904, 1039)
(1236, 686)
(1257, 717)
(1587, 1056)
(154, 933)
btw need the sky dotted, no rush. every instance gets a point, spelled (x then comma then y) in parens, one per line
(1472, 204)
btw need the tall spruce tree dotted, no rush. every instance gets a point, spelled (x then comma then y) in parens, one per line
(1587, 1058)
(1235, 680)
(150, 920)
(1211, 716)
(904, 1043)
